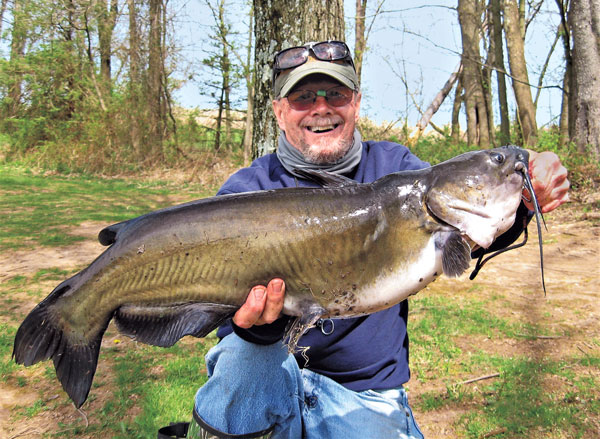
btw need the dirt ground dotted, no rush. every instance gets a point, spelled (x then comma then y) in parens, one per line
(571, 308)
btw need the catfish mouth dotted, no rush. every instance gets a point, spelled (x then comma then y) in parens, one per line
(468, 208)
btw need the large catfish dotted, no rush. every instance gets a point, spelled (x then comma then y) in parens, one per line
(345, 249)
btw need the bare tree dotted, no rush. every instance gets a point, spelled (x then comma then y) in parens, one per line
(17, 50)
(498, 64)
(584, 22)
(155, 71)
(249, 75)
(107, 19)
(280, 24)
(469, 16)
(219, 61)
(563, 7)
(361, 34)
(514, 29)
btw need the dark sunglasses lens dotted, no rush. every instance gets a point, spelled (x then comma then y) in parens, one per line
(330, 51)
(339, 96)
(291, 58)
(301, 100)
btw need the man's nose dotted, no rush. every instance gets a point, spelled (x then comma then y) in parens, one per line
(321, 105)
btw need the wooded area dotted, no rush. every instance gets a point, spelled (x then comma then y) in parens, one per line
(88, 84)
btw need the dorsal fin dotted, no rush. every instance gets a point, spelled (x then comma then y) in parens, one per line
(324, 178)
(108, 235)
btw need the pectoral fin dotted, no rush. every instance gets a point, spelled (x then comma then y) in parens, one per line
(456, 253)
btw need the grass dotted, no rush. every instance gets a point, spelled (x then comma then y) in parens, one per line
(533, 396)
(38, 209)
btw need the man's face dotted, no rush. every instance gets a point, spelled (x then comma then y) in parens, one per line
(323, 133)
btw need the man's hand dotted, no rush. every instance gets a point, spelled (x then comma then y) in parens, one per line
(263, 305)
(549, 180)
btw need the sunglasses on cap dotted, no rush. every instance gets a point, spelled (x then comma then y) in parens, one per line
(302, 100)
(323, 51)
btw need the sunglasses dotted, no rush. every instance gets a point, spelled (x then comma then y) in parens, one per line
(323, 51)
(302, 100)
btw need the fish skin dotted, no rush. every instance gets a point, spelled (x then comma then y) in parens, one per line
(345, 249)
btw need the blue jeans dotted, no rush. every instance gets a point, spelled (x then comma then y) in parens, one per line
(253, 388)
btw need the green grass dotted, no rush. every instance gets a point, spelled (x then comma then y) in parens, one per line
(553, 398)
(7, 365)
(38, 209)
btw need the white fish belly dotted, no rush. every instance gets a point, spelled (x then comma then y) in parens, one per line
(398, 284)
(393, 285)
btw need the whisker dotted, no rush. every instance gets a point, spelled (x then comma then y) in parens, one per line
(539, 219)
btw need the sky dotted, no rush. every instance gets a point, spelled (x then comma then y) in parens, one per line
(413, 48)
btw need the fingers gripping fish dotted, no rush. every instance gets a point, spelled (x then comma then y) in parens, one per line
(344, 250)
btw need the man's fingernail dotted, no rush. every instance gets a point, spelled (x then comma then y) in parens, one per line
(259, 293)
(277, 285)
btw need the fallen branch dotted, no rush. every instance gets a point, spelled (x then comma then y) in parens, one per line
(28, 430)
(485, 377)
(494, 432)
(541, 337)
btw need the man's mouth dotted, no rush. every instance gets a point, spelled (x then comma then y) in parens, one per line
(322, 128)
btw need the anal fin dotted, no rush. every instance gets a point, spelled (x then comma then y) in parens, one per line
(297, 327)
(164, 325)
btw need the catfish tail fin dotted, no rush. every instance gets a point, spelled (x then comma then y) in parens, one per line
(40, 337)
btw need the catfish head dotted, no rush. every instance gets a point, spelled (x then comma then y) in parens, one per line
(479, 192)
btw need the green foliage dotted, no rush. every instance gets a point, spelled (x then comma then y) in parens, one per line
(435, 148)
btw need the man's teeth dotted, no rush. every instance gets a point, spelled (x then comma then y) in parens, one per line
(321, 129)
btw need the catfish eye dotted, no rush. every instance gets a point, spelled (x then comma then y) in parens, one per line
(497, 157)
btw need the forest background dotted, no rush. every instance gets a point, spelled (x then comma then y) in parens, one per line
(124, 86)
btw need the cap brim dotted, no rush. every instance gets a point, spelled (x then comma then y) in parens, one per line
(344, 73)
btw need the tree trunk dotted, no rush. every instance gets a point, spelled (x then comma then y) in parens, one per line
(458, 100)
(107, 19)
(219, 123)
(154, 88)
(498, 64)
(486, 73)
(2, 11)
(280, 24)
(584, 22)
(249, 75)
(17, 50)
(518, 69)
(359, 36)
(566, 39)
(469, 17)
(135, 112)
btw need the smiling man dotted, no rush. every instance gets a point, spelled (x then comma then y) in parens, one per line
(351, 386)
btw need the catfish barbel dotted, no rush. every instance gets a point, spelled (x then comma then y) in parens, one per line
(345, 249)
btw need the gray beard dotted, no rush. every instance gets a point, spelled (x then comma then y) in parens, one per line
(342, 162)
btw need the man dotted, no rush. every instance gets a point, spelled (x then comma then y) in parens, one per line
(352, 384)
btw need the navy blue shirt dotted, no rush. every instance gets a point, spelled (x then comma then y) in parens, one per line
(369, 352)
